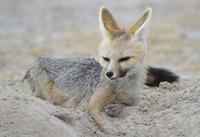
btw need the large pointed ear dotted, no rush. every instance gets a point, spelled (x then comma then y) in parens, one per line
(108, 25)
(140, 23)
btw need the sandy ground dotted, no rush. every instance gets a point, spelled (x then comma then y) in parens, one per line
(167, 111)
(33, 28)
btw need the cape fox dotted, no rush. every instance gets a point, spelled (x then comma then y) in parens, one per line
(115, 77)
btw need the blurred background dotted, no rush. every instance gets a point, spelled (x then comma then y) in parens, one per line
(59, 28)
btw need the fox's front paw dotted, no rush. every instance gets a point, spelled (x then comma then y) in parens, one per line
(113, 110)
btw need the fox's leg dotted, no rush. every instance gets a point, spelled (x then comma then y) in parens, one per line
(58, 97)
(98, 101)
(71, 103)
(62, 99)
(43, 86)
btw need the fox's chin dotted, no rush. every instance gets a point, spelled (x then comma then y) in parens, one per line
(114, 78)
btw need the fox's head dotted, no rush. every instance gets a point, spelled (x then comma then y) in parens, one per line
(121, 49)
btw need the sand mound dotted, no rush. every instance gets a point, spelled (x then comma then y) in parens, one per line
(170, 110)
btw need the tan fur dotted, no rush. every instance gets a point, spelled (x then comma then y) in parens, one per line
(141, 22)
(44, 86)
(98, 101)
(58, 97)
(122, 45)
(71, 103)
(109, 22)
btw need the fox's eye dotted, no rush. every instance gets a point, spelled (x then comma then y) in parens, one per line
(106, 59)
(124, 59)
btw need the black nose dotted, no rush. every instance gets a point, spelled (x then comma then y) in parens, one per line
(109, 74)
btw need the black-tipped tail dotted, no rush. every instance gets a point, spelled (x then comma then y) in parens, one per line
(157, 75)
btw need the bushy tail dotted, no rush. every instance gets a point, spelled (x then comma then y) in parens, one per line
(157, 75)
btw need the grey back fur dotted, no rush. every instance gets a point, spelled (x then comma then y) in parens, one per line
(77, 77)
